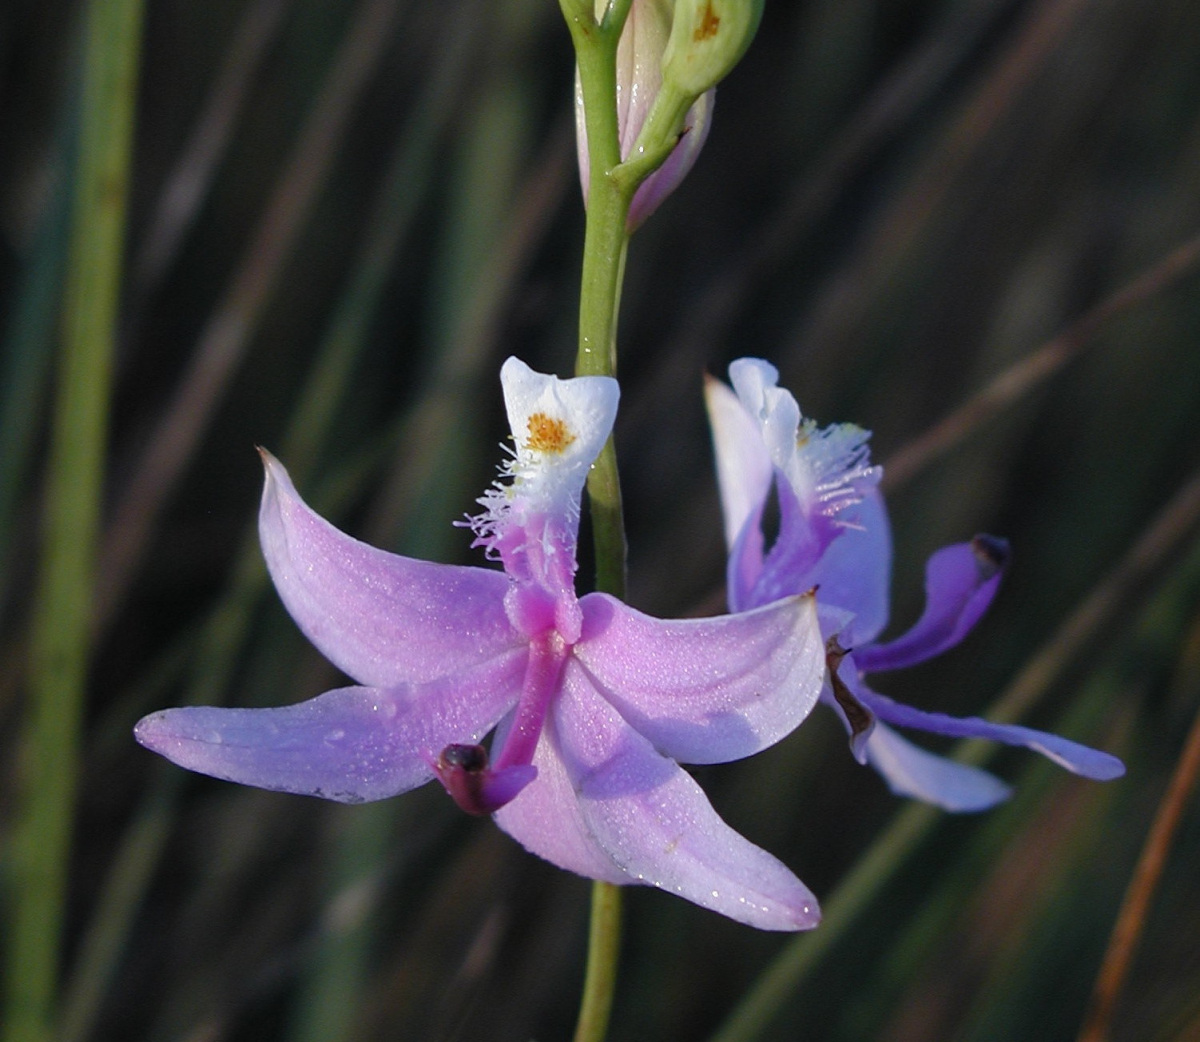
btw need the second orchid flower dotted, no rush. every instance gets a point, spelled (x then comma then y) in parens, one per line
(834, 535)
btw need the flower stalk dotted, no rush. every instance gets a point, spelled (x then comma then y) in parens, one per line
(606, 242)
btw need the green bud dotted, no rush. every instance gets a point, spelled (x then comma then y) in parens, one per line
(708, 38)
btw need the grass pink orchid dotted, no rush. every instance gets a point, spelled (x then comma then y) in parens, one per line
(593, 703)
(834, 535)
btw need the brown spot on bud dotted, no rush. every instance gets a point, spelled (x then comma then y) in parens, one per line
(709, 24)
(548, 434)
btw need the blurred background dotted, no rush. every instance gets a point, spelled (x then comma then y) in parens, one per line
(344, 216)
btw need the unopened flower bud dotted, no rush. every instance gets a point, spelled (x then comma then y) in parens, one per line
(639, 79)
(708, 38)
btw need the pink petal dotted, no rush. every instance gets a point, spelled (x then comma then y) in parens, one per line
(381, 618)
(706, 690)
(351, 745)
(654, 822)
(546, 818)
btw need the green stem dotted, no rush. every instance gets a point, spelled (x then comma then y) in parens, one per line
(62, 605)
(606, 240)
(604, 942)
(611, 186)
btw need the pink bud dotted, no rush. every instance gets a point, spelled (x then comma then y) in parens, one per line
(639, 79)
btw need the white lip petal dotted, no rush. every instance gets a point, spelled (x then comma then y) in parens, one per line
(559, 427)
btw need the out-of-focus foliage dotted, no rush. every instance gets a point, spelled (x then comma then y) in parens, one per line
(344, 216)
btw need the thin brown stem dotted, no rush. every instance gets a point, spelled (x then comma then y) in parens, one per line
(1037, 367)
(1131, 919)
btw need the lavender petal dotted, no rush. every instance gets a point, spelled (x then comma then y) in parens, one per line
(381, 618)
(706, 690)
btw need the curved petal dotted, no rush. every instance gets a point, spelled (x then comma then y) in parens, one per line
(352, 744)
(1076, 758)
(381, 618)
(744, 468)
(960, 582)
(706, 690)
(640, 818)
(911, 771)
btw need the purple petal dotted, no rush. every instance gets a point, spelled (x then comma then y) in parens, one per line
(637, 817)
(791, 560)
(351, 745)
(382, 619)
(855, 571)
(960, 582)
(913, 772)
(706, 690)
(1076, 758)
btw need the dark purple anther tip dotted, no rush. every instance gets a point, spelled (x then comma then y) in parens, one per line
(464, 773)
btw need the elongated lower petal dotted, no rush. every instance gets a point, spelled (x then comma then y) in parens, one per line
(638, 817)
(912, 771)
(352, 744)
(960, 582)
(546, 818)
(381, 618)
(706, 690)
(1078, 759)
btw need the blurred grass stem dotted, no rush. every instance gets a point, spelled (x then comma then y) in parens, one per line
(63, 599)
(235, 319)
(1038, 366)
(1131, 919)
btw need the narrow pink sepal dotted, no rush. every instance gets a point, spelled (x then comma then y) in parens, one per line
(381, 618)
(353, 744)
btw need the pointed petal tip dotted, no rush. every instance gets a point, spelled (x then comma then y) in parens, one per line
(271, 465)
(149, 730)
(1090, 763)
(805, 916)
